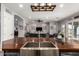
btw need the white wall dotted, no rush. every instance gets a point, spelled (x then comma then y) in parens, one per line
(0, 25)
(51, 28)
(31, 27)
(7, 24)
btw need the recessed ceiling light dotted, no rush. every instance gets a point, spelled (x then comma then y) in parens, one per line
(61, 5)
(20, 5)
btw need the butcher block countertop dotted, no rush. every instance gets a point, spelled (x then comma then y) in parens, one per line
(15, 45)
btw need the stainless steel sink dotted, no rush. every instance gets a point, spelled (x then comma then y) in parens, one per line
(32, 45)
(36, 44)
(39, 49)
(47, 44)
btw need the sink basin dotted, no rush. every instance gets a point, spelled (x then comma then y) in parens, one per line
(32, 44)
(47, 44)
(36, 44)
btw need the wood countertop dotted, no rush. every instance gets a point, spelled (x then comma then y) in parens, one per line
(11, 45)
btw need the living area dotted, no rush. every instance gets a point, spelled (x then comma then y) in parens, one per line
(39, 29)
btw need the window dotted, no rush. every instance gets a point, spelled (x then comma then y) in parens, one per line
(69, 30)
(72, 30)
(76, 29)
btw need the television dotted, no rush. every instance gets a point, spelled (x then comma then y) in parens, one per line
(38, 28)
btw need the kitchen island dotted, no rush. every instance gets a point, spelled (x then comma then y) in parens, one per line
(12, 46)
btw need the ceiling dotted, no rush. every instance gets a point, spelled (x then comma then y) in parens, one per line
(56, 15)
